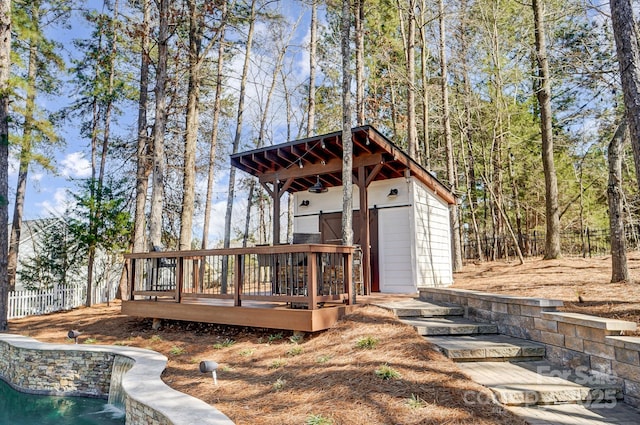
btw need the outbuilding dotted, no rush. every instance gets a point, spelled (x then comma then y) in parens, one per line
(404, 233)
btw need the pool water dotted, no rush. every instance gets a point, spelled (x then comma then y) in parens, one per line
(18, 408)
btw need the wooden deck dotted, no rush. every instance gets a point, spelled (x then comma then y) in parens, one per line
(305, 287)
(272, 316)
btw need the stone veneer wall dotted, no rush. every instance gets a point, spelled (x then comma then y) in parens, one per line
(571, 339)
(73, 370)
(68, 373)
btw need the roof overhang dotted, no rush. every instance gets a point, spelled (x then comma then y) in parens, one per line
(301, 162)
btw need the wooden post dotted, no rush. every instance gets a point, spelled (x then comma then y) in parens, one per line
(348, 278)
(237, 282)
(312, 289)
(195, 272)
(365, 233)
(131, 264)
(276, 212)
(276, 192)
(179, 277)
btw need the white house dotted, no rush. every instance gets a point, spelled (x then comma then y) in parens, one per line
(408, 231)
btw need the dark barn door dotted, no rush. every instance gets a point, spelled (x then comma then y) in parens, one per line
(331, 231)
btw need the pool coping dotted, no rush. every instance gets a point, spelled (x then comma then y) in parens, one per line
(141, 383)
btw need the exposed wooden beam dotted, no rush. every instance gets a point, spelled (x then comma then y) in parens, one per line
(285, 155)
(372, 175)
(331, 166)
(286, 185)
(259, 159)
(249, 164)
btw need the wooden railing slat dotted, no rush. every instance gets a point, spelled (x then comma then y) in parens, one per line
(301, 273)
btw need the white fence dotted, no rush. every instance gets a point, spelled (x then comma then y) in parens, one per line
(33, 303)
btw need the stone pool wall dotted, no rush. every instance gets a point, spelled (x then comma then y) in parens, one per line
(79, 370)
(53, 372)
(571, 339)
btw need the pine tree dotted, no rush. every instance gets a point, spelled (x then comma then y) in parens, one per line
(5, 63)
(41, 78)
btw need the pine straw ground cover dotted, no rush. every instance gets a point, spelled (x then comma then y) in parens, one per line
(368, 369)
(582, 283)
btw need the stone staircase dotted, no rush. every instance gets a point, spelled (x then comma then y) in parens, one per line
(516, 370)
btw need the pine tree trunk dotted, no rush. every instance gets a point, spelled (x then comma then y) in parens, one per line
(359, 34)
(625, 30)
(412, 134)
(468, 132)
(426, 161)
(25, 155)
(456, 248)
(247, 221)
(106, 133)
(236, 144)
(552, 238)
(313, 45)
(213, 142)
(5, 63)
(90, 262)
(619, 270)
(516, 202)
(157, 189)
(261, 134)
(191, 127)
(143, 149)
(95, 217)
(347, 142)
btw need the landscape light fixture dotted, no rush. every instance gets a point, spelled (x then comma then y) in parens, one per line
(209, 366)
(304, 203)
(318, 187)
(393, 193)
(74, 334)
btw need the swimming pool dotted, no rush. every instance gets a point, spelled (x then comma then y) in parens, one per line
(18, 408)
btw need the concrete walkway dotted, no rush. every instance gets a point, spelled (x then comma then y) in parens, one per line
(515, 369)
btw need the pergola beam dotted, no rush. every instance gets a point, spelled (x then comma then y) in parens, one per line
(331, 166)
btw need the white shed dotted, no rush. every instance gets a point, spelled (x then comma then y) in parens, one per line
(408, 232)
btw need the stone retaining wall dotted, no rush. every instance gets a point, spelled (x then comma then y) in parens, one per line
(74, 370)
(571, 340)
(68, 373)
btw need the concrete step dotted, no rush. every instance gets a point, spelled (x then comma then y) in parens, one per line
(427, 326)
(492, 348)
(576, 414)
(540, 382)
(417, 308)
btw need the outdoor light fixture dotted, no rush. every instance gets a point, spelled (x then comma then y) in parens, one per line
(304, 203)
(207, 366)
(74, 334)
(318, 187)
(393, 193)
(300, 163)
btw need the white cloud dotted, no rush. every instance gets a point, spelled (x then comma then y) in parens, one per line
(56, 206)
(75, 165)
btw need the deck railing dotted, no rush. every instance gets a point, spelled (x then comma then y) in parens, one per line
(300, 275)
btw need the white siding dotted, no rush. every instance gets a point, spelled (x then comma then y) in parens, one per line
(395, 234)
(432, 238)
(413, 228)
(331, 201)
